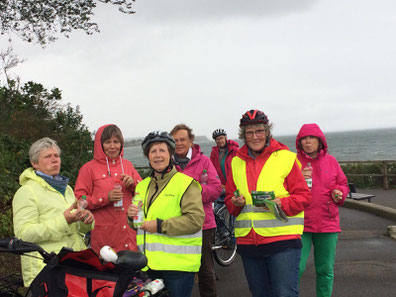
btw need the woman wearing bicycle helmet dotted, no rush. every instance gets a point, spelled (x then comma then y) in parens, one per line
(171, 234)
(269, 248)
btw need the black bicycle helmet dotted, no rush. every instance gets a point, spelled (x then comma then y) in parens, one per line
(253, 116)
(218, 132)
(158, 136)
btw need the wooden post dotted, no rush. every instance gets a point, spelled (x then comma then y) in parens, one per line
(385, 173)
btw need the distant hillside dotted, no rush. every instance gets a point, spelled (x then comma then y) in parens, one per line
(137, 141)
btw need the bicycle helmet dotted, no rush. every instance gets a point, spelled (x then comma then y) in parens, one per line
(158, 136)
(253, 116)
(218, 132)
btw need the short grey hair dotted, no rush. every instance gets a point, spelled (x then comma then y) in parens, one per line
(41, 145)
(267, 128)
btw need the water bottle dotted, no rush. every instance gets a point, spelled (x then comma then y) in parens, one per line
(139, 218)
(83, 202)
(309, 179)
(153, 287)
(204, 177)
(118, 204)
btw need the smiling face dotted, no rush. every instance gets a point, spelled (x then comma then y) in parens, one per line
(49, 162)
(255, 137)
(310, 145)
(159, 156)
(112, 147)
(221, 141)
(183, 142)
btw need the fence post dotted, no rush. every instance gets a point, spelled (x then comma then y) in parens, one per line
(385, 173)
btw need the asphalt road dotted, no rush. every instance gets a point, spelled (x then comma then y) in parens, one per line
(365, 262)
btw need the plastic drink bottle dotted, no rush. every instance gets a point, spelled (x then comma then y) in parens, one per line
(204, 177)
(118, 204)
(309, 179)
(154, 287)
(139, 218)
(83, 202)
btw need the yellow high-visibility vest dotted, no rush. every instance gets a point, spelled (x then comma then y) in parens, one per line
(271, 178)
(177, 253)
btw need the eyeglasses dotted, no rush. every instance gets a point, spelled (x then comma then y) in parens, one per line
(258, 133)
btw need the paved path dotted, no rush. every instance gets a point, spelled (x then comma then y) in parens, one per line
(365, 259)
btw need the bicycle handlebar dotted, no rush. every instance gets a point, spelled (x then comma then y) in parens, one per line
(16, 246)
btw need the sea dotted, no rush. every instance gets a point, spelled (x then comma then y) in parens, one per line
(363, 145)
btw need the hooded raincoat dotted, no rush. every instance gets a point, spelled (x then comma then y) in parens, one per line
(232, 148)
(211, 190)
(38, 217)
(95, 179)
(322, 215)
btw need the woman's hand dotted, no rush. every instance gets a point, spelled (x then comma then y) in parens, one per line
(115, 195)
(132, 211)
(75, 213)
(307, 172)
(336, 195)
(149, 226)
(238, 201)
(127, 179)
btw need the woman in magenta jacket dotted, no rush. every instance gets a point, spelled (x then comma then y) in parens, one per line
(96, 180)
(321, 221)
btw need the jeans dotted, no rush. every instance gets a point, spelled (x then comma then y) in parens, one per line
(179, 283)
(274, 275)
(324, 257)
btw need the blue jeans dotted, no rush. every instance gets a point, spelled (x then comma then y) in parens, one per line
(179, 283)
(274, 275)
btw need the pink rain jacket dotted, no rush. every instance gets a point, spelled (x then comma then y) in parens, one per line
(232, 147)
(210, 191)
(322, 215)
(95, 179)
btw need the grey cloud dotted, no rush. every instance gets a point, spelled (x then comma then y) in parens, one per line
(182, 10)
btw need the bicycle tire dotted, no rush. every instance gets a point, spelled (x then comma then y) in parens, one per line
(224, 248)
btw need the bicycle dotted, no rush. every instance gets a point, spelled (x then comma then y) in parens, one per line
(80, 273)
(224, 248)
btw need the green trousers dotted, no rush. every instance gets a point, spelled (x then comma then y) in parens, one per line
(324, 254)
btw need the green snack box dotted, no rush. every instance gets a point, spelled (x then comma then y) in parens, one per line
(259, 197)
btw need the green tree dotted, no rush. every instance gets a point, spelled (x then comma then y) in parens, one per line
(41, 20)
(27, 114)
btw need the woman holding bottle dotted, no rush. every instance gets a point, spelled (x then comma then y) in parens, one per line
(108, 182)
(329, 187)
(171, 234)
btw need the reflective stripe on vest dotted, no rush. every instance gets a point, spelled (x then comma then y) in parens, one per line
(271, 178)
(181, 253)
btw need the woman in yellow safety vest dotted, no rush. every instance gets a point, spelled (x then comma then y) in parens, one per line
(171, 234)
(270, 248)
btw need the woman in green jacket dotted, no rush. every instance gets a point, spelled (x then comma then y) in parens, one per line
(171, 234)
(45, 209)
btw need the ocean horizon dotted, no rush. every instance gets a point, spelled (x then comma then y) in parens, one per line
(360, 145)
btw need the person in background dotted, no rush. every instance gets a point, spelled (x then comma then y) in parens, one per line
(171, 234)
(191, 161)
(97, 180)
(44, 208)
(269, 248)
(329, 187)
(221, 156)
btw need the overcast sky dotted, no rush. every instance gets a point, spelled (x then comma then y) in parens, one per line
(206, 62)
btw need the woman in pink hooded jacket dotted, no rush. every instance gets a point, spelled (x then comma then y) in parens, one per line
(96, 180)
(329, 187)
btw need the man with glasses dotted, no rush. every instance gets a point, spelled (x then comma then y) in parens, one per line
(270, 248)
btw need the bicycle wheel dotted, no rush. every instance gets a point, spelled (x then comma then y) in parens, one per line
(224, 249)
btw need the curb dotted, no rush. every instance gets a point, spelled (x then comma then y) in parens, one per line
(376, 209)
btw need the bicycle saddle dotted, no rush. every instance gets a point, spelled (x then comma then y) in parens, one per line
(131, 260)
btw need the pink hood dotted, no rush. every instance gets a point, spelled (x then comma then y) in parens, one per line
(322, 215)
